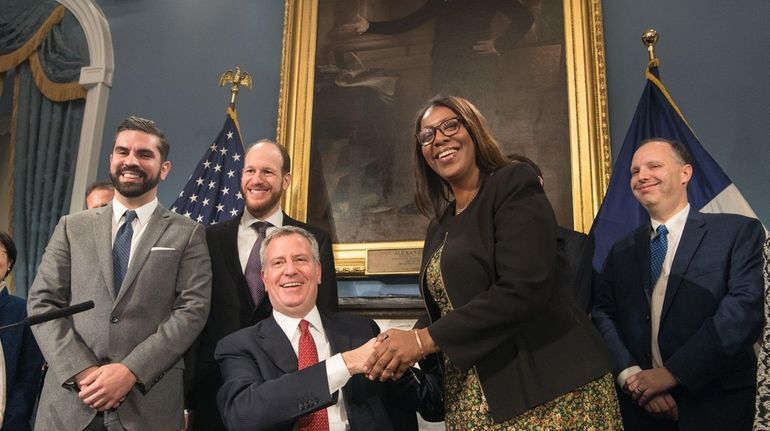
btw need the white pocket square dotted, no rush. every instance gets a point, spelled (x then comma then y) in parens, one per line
(161, 248)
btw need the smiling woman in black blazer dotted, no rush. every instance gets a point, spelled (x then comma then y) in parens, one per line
(518, 352)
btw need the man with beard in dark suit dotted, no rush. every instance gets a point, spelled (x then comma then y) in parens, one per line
(238, 295)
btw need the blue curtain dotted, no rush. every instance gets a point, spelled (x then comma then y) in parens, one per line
(48, 114)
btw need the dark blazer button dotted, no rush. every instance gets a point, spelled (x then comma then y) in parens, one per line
(105, 360)
(647, 317)
(114, 319)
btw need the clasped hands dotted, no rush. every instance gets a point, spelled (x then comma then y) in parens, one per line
(649, 389)
(104, 387)
(392, 353)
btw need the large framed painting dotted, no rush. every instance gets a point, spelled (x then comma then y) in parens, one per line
(356, 72)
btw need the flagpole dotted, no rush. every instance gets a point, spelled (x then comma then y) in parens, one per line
(650, 38)
(235, 79)
(212, 194)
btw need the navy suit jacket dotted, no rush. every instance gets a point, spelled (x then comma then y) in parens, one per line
(232, 308)
(712, 310)
(263, 390)
(23, 364)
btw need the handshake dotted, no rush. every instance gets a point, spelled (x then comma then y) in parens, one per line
(390, 354)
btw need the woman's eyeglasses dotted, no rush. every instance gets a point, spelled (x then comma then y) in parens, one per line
(448, 127)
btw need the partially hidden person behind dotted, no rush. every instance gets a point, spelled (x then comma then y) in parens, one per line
(22, 357)
(238, 297)
(577, 246)
(519, 353)
(301, 368)
(99, 194)
(148, 272)
(679, 304)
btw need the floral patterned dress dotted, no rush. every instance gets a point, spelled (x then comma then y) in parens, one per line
(762, 420)
(591, 407)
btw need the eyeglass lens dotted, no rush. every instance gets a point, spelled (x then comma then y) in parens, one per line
(448, 127)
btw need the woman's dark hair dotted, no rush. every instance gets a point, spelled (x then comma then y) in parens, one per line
(433, 192)
(10, 250)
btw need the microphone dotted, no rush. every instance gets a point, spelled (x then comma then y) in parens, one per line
(55, 314)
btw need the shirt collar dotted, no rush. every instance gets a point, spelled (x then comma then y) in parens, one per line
(289, 324)
(675, 224)
(275, 219)
(143, 213)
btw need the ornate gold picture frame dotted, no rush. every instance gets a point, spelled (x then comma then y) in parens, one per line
(588, 158)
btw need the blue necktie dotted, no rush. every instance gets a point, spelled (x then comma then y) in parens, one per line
(121, 251)
(658, 247)
(253, 271)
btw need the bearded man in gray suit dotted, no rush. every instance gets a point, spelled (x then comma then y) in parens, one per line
(147, 269)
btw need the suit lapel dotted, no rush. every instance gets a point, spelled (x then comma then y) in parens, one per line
(232, 260)
(288, 221)
(4, 296)
(340, 341)
(102, 228)
(339, 337)
(276, 346)
(157, 224)
(692, 235)
(642, 252)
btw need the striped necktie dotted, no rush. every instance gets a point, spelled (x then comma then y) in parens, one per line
(121, 250)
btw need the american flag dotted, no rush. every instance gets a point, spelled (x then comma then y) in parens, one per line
(213, 192)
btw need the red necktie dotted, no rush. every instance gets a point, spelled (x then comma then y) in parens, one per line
(308, 355)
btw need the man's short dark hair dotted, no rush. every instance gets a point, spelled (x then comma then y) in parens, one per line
(286, 167)
(99, 185)
(680, 151)
(10, 250)
(146, 126)
(524, 159)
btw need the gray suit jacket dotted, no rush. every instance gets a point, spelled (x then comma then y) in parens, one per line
(161, 308)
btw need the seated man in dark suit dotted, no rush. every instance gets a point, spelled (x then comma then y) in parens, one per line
(680, 304)
(577, 246)
(237, 296)
(288, 371)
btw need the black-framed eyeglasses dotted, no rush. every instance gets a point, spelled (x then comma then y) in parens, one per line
(448, 127)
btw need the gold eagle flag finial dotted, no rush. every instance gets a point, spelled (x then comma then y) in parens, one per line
(650, 38)
(235, 79)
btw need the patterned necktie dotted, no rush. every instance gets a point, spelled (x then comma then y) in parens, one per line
(121, 250)
(658, 247)
(254, 265)
(308, 355)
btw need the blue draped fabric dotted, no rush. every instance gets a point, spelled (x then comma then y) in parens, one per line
(46, 133)
(47, 137)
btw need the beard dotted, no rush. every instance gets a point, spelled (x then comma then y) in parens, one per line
(133, 190)
(261, 209)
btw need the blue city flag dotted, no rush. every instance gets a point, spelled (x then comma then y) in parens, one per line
(710, 189)
(213, 192)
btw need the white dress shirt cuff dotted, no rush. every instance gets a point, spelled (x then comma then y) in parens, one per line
(337, 373)
(625, 374)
